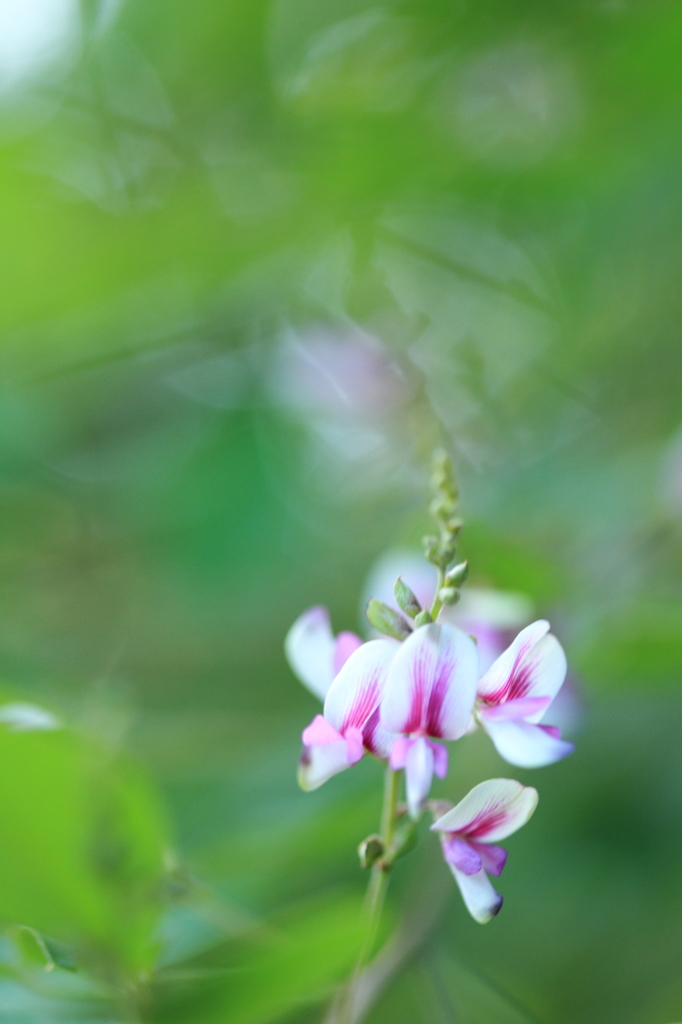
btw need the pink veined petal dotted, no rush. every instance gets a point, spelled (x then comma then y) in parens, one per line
(418, 774)
(490, 811)
(355, 744)
(358, 688)
(440, 759)
(318, 764)
(480, 899)
(399, 750)
(319, 733)
(462, 855)
(309, 647)
(522, 707)
(431, 684)
(344, 646)
(526, 745)
(493, 858)
(376, 739)
(507, 677)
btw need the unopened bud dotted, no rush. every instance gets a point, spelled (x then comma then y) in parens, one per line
(387, 620)
(449, 595)
(423, 619)
(430, 545)
(406, 598)
(370, 851)
(457, 575)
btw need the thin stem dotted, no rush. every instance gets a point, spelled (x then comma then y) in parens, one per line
(376, 893)
(437, 603)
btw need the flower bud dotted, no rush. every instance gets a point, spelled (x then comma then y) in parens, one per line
(430, 545)
(423, 619)
(457, 575)
(386, 620)
(370, 850)
(449, 595)
(406, 598)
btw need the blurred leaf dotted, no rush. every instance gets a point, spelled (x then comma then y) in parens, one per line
(80, 854)
(293, 962)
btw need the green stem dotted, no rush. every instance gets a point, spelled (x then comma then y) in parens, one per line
(437, 603)
(376, 891)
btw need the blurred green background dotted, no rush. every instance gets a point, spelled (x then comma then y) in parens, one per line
(257, 260)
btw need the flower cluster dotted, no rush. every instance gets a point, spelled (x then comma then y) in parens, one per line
(400, 698)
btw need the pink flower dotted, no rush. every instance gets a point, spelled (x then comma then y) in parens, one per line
(514, 695)
(314, 653)
(492, 811)
(429, 696)
(350, 724)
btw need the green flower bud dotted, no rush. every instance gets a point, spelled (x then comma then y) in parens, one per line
(449, 595)
(370, 851)
(386, 620)
(457, 575)
(406, 598)
(423, 618)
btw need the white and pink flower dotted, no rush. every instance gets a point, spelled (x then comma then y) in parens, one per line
(350, 724)
(515, 693)
(491, 811)
(429, 696)
(314, 654)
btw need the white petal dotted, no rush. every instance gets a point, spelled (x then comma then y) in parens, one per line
(431, 684)
(480, 899)
(318, 764)
(359, 686)
(526, 745)
(533, 666)
(309, 647)
(418, 774)
(491, 811)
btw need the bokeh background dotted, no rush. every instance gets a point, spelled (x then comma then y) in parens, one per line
(258, 259)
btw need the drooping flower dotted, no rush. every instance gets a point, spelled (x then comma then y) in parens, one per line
(491, 811)
(514, 694)
(350, 725)
(429, 696)
(314, 654)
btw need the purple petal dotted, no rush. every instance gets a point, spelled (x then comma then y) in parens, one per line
(376, 739)
(493, 858)
(354, 741)
(320, 733)
(399, 750)
(346, 643)
(461, 855)
(440, 759)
